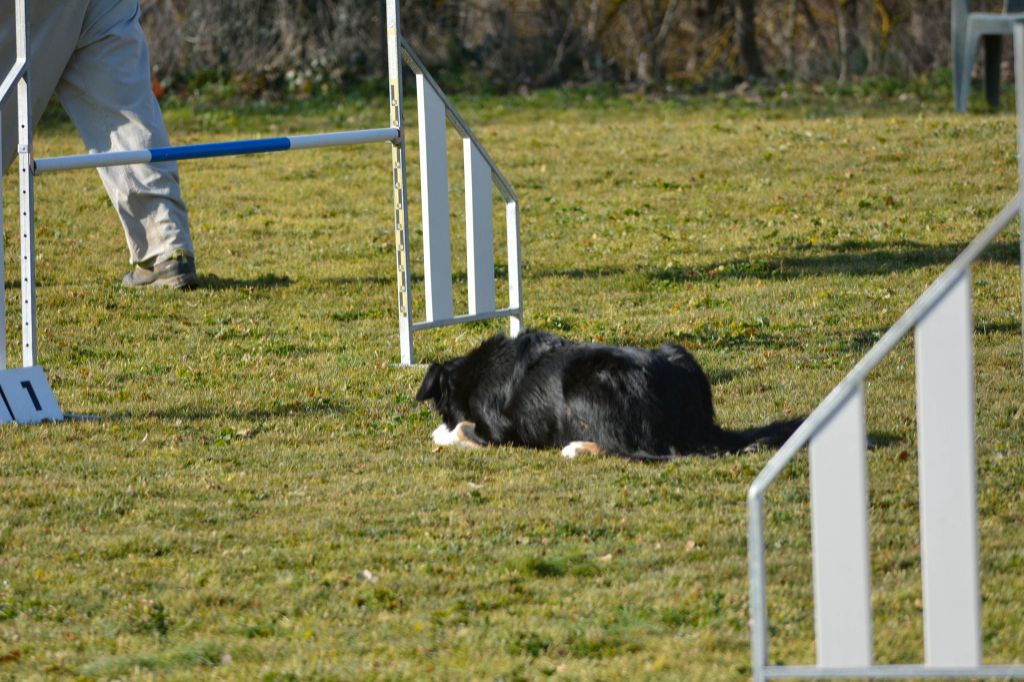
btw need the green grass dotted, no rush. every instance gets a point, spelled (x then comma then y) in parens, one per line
(259, 499)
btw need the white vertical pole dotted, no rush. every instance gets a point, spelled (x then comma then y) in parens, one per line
(437, 238)
(758, 582)
(958, 30)
(839, 528)
(949, 536)
(515, 276)
(479, 230)
(399, 179)
(27, 191)
(1018, 73)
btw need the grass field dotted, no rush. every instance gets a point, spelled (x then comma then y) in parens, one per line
(259, 498)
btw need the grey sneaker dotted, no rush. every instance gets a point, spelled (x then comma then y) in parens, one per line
(177, 273)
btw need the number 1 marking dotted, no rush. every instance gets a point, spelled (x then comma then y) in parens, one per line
(27, 385)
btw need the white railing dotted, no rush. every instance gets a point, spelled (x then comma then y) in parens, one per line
(435, 110)
(835, 432)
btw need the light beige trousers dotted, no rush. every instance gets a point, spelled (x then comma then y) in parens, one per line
(93, 54)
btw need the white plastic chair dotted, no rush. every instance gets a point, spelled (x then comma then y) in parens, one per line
(967, 29)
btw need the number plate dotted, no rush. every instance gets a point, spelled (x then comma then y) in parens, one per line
(26, 397)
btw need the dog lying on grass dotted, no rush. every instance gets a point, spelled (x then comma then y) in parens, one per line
(542, 391)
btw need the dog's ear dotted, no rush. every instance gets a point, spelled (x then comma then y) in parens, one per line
(431, 386)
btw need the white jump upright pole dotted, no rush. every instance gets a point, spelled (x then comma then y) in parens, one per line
(1018, 76)
(25, 395)
(399, 180)
(27, 192)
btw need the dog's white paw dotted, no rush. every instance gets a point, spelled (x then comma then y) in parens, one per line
(463, 435)
(578, 447)
(443, 437)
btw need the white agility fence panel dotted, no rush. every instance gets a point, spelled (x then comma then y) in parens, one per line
(839, 530)
(437, 238)
(479, 231)
(942, 322)
(946, 460)
(481, 174)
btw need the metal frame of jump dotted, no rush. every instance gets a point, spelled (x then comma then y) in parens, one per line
(435, 109)
(943, 326)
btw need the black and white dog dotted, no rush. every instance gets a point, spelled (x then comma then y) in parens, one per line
(542, 391)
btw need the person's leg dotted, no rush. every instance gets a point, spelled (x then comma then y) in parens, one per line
(106, 89)
(54, 29)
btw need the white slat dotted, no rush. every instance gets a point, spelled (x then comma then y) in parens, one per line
(479, 230)
(946, 461)
(839, 529)
(515, 298)
(437, 238)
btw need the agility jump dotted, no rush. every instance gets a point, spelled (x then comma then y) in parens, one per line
(435, 112)
(835, 434)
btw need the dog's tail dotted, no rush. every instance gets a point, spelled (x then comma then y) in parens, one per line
(772, 435)
(721, 441)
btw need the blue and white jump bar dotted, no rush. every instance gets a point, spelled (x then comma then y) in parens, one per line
(206, 151)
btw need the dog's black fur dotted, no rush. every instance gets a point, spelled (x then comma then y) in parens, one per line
(542, 391)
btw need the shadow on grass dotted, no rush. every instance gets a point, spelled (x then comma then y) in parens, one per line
(596, 272)
(854, 258)
(884, 439)
(741, 335)
(1012, 326)
(268, 281)
(185, 413)
(458, 277)
(365, 280)
(849, 258)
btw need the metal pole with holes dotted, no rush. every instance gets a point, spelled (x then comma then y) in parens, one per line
(26, 191)
(399, 181)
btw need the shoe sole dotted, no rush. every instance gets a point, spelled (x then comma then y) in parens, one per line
(178, 282)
